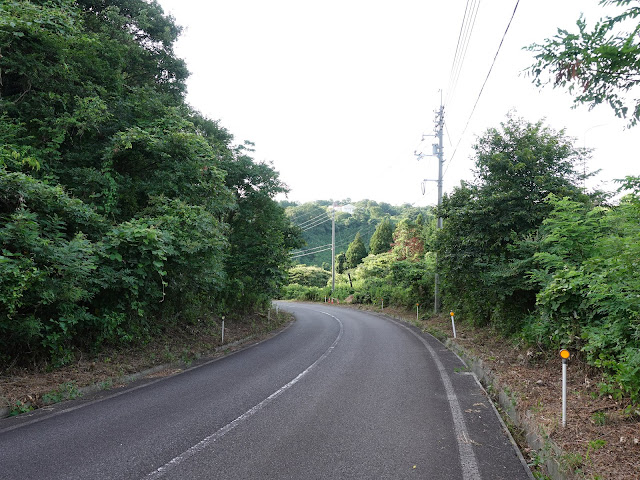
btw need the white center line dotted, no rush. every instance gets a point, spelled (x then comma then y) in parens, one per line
(204, 443)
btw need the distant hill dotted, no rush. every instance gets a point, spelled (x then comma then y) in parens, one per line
(314, 218)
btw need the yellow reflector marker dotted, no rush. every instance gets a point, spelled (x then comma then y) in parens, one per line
(451, 314)
(565, 353)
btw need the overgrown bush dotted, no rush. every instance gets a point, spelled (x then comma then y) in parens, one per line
(309, 275)
(122, 209)
(589, 297)
(295, 291)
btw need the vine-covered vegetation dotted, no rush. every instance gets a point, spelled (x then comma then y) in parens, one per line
(122, 209)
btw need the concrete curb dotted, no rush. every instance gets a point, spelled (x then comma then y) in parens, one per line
(548, 452)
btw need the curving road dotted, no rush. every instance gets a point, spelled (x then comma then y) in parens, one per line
(339, 394)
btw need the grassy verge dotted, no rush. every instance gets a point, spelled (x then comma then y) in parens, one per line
(28, 388)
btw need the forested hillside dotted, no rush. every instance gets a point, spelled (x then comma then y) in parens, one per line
(314, 219)
(122, 209)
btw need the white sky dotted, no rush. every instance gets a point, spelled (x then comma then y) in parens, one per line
(337, 94)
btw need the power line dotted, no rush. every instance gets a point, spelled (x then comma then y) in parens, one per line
(309, 250)
(448, 136)
(311, 220)
(295, 252)
(294, 218)
(319, 222)
(366, 231)
(484, 84)
(310, 253)
(470, 27)
(466, 30)
(455, 55)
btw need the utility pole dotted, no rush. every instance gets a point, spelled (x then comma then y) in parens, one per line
(333, 249)
(438, 152)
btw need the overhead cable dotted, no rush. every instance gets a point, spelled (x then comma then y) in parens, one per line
(310, 253)
(303, 250)
(466, 29)
(311, 220)
(318, 222)
(483, 85)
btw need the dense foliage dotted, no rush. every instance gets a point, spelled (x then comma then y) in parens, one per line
(122, 210)
(481, 253)
(314, 219)
(589, 287)
(401, 275)
(525, 251)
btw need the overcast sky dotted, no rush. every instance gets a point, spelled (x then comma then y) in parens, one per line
(338, 94)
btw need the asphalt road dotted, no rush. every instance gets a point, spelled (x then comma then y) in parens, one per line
(339, 394)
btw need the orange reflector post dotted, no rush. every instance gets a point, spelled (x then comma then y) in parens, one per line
(564, 354)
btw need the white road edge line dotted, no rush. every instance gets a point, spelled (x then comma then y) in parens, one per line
(111, 395)
(198, 447)
(468, 459)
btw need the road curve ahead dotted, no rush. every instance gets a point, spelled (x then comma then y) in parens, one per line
(339, 394)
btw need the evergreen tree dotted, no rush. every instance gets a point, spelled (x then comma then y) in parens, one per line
(356, 252)
(341, 260)
(382, 238)
(408, 243)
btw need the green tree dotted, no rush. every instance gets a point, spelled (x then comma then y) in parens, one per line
(480, 250)
(408, 243)
(588, 297)
(356, 252)
(122, 209)
(341, 261)
(261, 235)
(308, 276)
(382, 238)
(603, 63)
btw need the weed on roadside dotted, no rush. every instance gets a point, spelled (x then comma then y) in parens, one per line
(599, 418)
(435, 332)
(65, 391)
(19, 407)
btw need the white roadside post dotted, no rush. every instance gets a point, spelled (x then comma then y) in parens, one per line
(564, 354)
(222, 329)
(382, 303)
(453, 324)
(417, 309)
